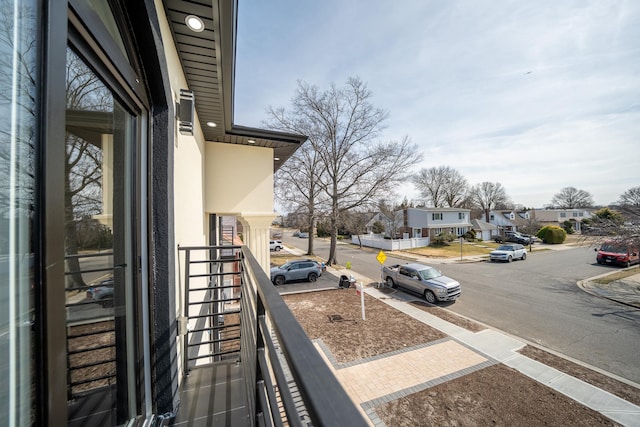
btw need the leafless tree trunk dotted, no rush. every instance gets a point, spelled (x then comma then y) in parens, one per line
(342, 126)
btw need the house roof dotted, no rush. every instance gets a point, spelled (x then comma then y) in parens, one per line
(482, 225)
(442, 209)
(518, 216)
(208, 60)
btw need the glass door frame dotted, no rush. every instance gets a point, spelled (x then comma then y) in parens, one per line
(62, 28)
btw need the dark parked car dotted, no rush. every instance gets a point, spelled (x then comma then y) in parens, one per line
(513, 237)
(302, 269)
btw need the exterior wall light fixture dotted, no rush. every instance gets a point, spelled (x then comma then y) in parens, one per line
(186, 112)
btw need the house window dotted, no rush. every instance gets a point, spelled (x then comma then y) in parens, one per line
(563, 214)
(436, 216)
(417, 232)
(512, 216)
(437, 231)
(575, 214)
(526, 215)
(461, 231)
(492, 217)
(462, 215)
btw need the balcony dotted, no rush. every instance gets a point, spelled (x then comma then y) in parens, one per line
(247, 361)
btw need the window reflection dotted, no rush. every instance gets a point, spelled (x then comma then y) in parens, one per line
(97, 248)
(18, 75)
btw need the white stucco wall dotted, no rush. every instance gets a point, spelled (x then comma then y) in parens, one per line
(238, 179)
(190, 221)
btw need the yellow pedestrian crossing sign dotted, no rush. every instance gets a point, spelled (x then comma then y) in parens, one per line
(381, 257)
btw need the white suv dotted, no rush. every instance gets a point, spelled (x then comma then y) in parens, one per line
(508, 252)
(275, 245)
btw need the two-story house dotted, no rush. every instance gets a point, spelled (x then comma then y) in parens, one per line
(559, 216)
(509, 220)
(423, 222)
(431, 222)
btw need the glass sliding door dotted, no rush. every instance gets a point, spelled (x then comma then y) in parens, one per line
(18, 128)
(101, 260)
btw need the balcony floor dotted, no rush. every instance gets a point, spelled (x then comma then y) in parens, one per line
(213, 395)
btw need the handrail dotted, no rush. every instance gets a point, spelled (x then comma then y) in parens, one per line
(324, 397)
(276, 354)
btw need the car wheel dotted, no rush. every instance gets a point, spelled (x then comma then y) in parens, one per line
(524, 256)
(430, 297)
(312, 277)
(278, 248)
(106, 302)
(627, 264)
(390, 282)
(510, 258)
(279, 280)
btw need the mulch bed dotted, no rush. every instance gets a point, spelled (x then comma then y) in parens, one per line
(497, 395)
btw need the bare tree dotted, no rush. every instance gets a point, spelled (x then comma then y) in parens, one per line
(572, 198)
(488, 196)
(631, 198)
(296, 185)
(342, 126)
(441, 186)
(391, 222)
(620, 227)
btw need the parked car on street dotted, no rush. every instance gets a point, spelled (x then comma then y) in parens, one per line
(102, 293)
(275, 245)
(300, 269)
(424, 280)
(508, 253)
(303, 235)
(617, 253)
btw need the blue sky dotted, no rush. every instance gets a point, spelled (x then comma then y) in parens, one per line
(535, 95)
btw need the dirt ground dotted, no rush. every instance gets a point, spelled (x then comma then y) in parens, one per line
(496, 395)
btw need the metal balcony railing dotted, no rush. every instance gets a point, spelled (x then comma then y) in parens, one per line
(285, 379)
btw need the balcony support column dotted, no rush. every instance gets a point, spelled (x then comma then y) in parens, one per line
(256, 231)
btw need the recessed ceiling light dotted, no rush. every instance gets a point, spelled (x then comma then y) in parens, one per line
(211, 124)
(194, 23)
(276, 158)
(251, 141)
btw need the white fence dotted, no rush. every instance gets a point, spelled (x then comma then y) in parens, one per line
(377, 241)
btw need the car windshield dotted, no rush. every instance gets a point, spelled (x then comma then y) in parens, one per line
(285, 265)
(505, 248)
(429, 273)
(609, 247)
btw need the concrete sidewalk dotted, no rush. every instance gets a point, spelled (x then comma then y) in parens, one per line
(472, 351)
(625, 291)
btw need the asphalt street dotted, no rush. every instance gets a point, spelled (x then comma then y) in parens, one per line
(536, 300)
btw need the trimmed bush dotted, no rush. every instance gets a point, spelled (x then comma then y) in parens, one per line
(552, 234)
(443, 239)
(568, 227)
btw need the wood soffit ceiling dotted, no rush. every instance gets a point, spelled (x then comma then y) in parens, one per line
(208, 61)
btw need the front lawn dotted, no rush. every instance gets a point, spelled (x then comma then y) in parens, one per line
(453, 249)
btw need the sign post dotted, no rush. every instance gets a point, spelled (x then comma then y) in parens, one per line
(360, 291)
(381, 259)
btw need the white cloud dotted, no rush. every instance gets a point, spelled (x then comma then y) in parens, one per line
(535, 95)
